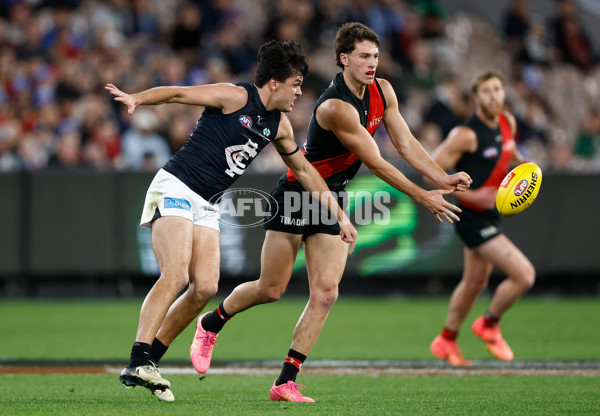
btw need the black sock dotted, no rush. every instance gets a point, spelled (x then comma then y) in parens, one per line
(158, 350)
(140, 354)
(216, 320)
(291, 367)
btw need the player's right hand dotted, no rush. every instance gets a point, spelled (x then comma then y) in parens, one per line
(127, 99)
(441, 209)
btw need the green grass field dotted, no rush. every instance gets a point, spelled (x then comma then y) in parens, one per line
(538, 328)
(235, 395)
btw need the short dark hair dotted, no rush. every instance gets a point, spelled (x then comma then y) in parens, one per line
(347, 36)
(280, 60)
(484, 76)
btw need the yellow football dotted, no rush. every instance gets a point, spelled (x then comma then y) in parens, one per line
(519, 189)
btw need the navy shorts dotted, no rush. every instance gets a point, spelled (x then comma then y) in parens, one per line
(297, 213)
(477, 227)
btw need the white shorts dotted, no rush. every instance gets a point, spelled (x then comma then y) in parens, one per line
(168, 196)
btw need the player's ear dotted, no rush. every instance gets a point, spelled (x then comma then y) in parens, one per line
(273, 83)
(344, 59)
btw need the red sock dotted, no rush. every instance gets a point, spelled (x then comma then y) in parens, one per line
(490, 321)
(449, 334)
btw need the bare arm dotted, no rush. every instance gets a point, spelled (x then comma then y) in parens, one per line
(227, 97)
(310, 178)
(517, 158)
(463, 140)
(343, 120)
(412, 151)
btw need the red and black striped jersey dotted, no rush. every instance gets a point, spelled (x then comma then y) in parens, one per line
(488, 165)
(336, 164)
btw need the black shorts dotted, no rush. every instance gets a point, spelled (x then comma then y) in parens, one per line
(296, 212)
(477, 227)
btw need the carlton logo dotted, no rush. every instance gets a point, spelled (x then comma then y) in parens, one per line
(246, 121)
(521, 187)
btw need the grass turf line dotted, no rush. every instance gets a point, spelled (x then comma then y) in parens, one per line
(243, 395)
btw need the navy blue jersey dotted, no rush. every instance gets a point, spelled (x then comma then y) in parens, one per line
(336, 164)
(222, 146)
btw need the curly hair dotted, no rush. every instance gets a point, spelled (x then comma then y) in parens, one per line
(280, 60)
(347, 36)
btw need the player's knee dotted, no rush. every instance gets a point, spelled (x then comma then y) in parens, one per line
(325, 298)
(204, 292)
(175, 283)
(270, 294)
(476, 286)
(528, 278)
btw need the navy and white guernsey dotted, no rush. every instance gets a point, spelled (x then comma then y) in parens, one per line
(222, 146)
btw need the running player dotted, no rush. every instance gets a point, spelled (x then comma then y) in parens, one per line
(238, 122)
(339, 140)
(483, 147)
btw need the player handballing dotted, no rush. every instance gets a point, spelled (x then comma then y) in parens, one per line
(483, 147)
(339, 140)
(237, 123)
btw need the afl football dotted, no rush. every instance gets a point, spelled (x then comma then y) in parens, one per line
(519, 189)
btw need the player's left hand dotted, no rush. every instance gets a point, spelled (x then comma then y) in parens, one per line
(459, 181)
(127, 99)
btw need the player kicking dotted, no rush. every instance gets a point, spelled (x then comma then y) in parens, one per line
(339, 139)
(238, 122)
(483, 147)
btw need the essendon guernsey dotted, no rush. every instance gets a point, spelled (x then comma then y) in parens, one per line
(336, 164)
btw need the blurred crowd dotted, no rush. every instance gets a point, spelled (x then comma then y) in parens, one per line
(57, 55)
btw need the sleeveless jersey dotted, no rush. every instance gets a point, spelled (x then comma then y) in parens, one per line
(222, 146)
(488, 165)
(336, 164)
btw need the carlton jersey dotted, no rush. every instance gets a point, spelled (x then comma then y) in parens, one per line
(336, 164)
(222, 146)
(489, 164)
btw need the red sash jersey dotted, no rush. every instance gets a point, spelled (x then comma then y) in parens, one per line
(488, 165)
(336, 164)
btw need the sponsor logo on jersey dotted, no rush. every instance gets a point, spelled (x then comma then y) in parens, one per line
(374, 122)
(508, 146)
(178, 203)
(266, 132)
(521, 187)
(488, 231)
(298, 222)
(490, 152)
(239, 157)
(246, 121)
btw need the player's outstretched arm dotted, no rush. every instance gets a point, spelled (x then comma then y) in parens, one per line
(227, 97)
(343, 120)
(310, 179)
(412, 151)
